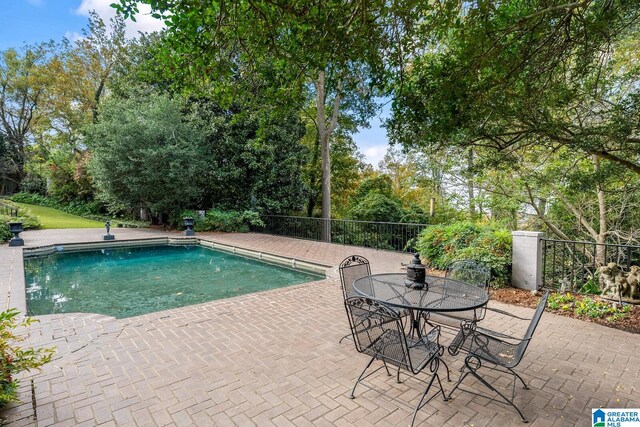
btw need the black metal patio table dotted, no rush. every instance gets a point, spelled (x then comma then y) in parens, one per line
(440, 295)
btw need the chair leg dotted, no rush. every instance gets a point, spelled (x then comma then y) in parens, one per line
(360, 377)
(386, 368)
(472, 370)
(398, 376)
(422, 402)
(447, 368)
(463, 375)
(524, 385)
(346, 336)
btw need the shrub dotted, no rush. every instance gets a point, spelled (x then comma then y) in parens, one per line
(440, 245)
(228, 221)
(13, 357)
(5, 234)
(33, 199)
(34, 183)
(75, 207)
(377, 207)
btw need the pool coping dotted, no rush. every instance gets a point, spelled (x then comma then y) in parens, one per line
(17, 297)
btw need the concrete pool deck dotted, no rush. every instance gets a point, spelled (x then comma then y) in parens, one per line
(273, 358)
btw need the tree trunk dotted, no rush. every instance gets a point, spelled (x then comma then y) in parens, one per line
(470, 190)
(602, 210)
(313, 179)
(324, 133)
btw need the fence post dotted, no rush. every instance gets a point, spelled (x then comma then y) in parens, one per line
(526, 264)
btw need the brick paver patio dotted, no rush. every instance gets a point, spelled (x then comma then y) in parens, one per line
(273, 358)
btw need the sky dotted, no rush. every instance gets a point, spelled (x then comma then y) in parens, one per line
(32, 21)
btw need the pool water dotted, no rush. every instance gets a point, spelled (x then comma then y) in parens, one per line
(127, 282)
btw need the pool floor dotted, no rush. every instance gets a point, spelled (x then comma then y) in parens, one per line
(129, 281)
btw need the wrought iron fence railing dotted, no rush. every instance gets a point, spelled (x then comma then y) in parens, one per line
(6, 209)
(393, 236)
(572, 265)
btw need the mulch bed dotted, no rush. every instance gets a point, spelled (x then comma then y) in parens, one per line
(521, 297)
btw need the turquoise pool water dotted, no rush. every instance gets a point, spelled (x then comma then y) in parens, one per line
(128, 282)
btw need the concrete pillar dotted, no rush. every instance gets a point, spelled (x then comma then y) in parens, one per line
(526, 263)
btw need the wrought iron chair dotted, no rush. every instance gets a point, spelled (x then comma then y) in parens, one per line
(472, 273)
(378, 332)
(352, 268)
(500, 351)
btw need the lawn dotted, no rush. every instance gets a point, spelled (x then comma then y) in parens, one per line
(54, 218)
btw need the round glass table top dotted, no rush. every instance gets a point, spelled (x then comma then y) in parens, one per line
(440, 294)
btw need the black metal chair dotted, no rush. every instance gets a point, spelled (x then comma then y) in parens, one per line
(469, 272)
(351, 269)
(500, 351)
(378, 332)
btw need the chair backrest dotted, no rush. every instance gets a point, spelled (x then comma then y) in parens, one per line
(522, 347)
(377, 331)
(470, 272)
(352, 268)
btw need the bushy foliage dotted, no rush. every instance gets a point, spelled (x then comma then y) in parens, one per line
(29, 222)
(250, 162)
(145, 154)
(14, 358)
(75, 207)
(380, 184)
(69, 178)
(377, 207)
(32, 199)
(34, 183)
(227, 221)
(440, 245)
(5, 234)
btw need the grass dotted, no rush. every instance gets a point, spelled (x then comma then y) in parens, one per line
(54, 218)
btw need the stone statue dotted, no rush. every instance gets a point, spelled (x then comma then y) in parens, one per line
(615, 282)
(633, 278)
(607, 279)
(108, 226)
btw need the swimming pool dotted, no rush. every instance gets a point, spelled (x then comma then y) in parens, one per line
(130, 281)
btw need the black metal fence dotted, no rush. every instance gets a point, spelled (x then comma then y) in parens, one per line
(393, 236)
(6, 209)
(572, 265)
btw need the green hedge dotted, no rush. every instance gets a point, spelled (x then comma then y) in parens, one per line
(440, 245)
(5, 234)
(228, 221)
(74, 208)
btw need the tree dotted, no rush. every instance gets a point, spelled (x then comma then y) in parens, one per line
(83, 70)
(24, 82)
(336, 47)
(145, 154)
(249, 159)
(509, 75)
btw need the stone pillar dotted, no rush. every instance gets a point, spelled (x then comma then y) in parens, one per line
(526, 265)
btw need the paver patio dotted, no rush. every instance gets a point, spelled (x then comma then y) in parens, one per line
(273, 358)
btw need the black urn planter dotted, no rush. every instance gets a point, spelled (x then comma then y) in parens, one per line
(16, 229)
(416, 274)
(188, 225)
